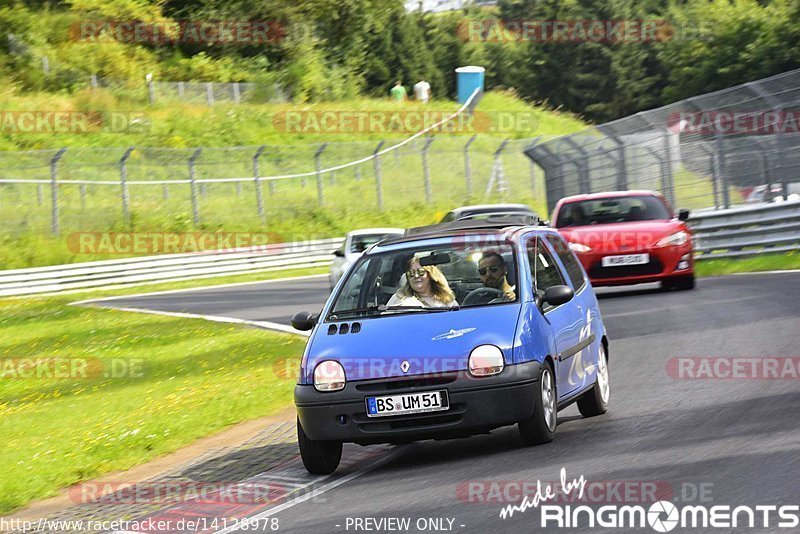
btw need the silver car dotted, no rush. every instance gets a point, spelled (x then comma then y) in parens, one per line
(483, 211)
(355, 244)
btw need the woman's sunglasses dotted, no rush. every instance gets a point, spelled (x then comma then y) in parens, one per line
(416, 273)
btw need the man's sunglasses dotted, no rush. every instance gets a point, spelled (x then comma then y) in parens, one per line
(493, 269)
(416, 273)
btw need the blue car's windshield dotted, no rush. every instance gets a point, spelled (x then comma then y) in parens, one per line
(466, 272)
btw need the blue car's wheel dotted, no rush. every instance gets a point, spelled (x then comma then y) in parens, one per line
(541, 426)
(319, 457)
(595, 401)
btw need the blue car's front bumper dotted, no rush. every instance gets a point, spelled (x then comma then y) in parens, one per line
(477, 405)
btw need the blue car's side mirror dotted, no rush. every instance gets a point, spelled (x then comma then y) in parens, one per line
(304, 320)
(557, 295)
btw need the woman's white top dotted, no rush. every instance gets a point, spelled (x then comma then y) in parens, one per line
(427, 302)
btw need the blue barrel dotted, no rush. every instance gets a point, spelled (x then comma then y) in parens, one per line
(468, 79)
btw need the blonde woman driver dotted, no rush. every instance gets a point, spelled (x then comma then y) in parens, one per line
(423, 286)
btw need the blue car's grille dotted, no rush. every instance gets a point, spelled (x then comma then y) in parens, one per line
(406, 383)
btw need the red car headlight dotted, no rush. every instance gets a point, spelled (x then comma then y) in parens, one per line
(579, 247)
(675, 240)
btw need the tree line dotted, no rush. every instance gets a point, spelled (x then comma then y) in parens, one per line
(549, 51)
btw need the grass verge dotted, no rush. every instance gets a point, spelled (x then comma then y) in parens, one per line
(135, 387)
(764, 262)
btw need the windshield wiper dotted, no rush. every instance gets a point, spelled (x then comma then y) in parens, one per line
(384, 307)
(415, 308)
(352, 311)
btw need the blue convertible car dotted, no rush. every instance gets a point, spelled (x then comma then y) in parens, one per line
(448, 331)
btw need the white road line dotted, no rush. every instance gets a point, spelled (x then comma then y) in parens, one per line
(200, 288)
(218, 319)
(319, 491)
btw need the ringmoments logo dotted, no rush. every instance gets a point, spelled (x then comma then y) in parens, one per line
(660, 516)
(664, 516)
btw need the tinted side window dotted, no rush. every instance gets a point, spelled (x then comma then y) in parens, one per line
(574, 270)
(543, 268)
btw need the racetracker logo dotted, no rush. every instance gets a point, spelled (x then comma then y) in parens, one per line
(72, 122)
(63, 368)
(170, 492)
(208, 32)
(734, 368)
(402, 122)
(175, 242)
(735, 122)
(663, 516)
(565, 31)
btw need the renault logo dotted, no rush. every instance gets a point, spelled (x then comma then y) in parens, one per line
(405, 366)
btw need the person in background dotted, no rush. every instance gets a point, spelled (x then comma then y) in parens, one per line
(398, 92)
(422, 91)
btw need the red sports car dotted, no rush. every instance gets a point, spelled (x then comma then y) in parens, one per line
(628, 237)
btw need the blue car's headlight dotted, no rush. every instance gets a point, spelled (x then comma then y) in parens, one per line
(329, 376)
(485, 360)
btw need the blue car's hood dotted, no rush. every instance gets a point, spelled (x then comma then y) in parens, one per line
(431, 342)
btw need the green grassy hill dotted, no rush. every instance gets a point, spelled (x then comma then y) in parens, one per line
(292, 208)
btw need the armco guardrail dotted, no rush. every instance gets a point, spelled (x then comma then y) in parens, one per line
(746, 231)
(166, 268)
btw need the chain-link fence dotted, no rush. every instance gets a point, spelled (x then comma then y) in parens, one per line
(715, 150)
(249, 187)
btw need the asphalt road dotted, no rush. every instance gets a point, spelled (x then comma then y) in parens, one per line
(708, 441)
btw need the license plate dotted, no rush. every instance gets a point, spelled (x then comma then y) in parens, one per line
(428, 401)
(628, 259)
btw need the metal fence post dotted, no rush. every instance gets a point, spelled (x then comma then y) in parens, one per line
(714, 172)
(193, 187)
(151, 92)
(376, 162)
(584, 179)
(777, 109)
(668, 178)
(498, 174)
(318, 167)
(662, 173)
(553, 182)
(54, 190)
(180, 91)
(209, 93)
(670, 192)
(765, 169)
(123, 182)
(533, 166)
(468, 166)
(257, 181)
(82, 188)
(723, 171)
(39, 194)
(426, 171)
(237, 98)
(622, 173)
